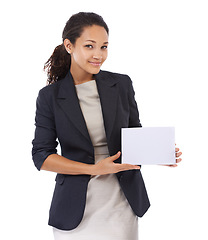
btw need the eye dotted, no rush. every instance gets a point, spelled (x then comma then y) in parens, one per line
(88, 46)
(104, 47)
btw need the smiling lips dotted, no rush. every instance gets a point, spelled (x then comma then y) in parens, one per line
(96, 64)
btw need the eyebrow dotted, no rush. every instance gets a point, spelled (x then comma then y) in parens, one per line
(95, 41)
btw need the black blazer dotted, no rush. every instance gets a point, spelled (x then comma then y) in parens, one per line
(59, 117)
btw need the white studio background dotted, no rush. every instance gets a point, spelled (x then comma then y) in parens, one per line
(162, 46)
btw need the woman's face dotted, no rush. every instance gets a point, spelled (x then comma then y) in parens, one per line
(89, 51)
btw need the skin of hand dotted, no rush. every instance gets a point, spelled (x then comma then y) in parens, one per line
(107, 166)
(178, 160)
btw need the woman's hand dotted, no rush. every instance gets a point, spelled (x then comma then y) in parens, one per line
(178, 154)
(107, 166)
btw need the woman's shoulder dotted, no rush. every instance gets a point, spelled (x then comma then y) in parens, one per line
(115, 75)
(51, 88)
(121, 78)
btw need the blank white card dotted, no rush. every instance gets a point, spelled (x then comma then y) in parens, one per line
(148, 145)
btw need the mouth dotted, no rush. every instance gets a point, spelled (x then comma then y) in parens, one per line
(96, 64)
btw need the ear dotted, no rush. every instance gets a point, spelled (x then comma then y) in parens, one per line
(68, 45)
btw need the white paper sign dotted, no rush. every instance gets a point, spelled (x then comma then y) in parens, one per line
(148, 145)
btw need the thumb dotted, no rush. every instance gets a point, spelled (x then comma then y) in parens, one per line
(116, 156)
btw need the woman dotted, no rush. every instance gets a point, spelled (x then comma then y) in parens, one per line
(95, 197)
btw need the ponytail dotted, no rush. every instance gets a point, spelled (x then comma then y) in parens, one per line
(58, 64)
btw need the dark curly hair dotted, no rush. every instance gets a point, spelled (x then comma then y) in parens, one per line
(59, 62)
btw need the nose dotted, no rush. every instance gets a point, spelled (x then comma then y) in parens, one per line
(98, 55)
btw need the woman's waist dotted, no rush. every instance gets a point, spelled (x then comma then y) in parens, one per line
(101, 150)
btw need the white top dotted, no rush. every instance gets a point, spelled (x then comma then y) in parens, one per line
(108, 215)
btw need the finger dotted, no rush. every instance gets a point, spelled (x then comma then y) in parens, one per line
(178, 154)
(170, 165)
(173, 165)
(114, 157)
(125, 166)
(177, 149)
(178, 160)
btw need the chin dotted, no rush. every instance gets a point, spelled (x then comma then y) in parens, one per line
(95, 71)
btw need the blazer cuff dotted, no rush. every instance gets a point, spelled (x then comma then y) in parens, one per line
(40, 157)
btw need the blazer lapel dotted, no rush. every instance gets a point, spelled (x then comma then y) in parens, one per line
(108, 93)
(69, 102)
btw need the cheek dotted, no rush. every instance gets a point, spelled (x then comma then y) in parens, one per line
(80, 56)
(105, 55)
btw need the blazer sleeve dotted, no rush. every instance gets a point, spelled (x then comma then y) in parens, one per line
(134, 120)
(44, 142)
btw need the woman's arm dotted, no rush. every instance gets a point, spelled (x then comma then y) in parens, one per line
(134, 120)
(59, 164)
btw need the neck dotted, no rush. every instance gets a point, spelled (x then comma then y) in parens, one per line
(80, 76)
